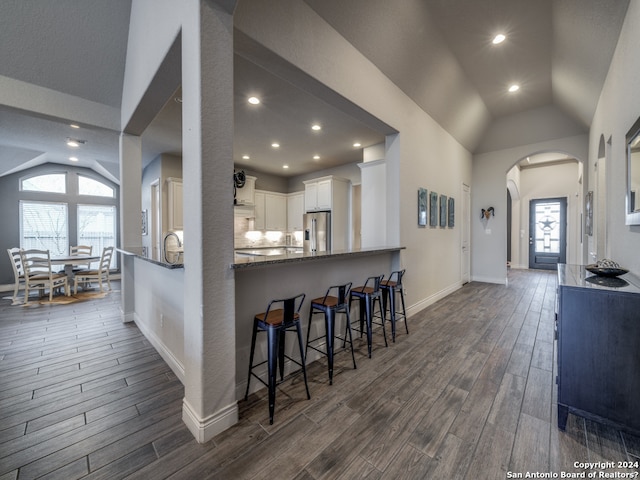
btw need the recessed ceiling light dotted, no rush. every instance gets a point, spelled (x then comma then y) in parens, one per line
(514, 88)
(253, 100)
(285, 166)
(275, 145)
(246, 157)
(73, 125)
(498, 39)
(73, 159)
(357, 144)
(316, 127)
(316, 157)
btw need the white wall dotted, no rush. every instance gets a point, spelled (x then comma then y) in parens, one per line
(617, 110)
(153, 29)
(159, 310)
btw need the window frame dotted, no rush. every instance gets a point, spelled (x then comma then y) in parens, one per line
(88, 195)
(25, 178)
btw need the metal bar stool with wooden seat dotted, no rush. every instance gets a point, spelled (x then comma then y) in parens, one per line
(330, 305)
(367, 296)
(390, 288)
(277, 322)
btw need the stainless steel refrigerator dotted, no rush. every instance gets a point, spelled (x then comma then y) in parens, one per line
(317, 232)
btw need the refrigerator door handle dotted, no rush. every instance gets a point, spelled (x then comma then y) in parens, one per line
(314, 235)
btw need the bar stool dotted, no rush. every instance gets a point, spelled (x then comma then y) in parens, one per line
(330, 305)
(389, 290)
(277, 322)
(367, 295)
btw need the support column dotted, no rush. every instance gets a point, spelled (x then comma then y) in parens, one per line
(207, 137)
(130, 211)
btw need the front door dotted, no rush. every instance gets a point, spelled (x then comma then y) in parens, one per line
(547, 233)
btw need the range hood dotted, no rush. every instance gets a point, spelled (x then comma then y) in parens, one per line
(244, 211)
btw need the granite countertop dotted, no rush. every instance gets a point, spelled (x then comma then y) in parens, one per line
(138, 254)
(290, 257)
(577, 276)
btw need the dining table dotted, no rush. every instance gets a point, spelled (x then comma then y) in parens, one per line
(70, 261)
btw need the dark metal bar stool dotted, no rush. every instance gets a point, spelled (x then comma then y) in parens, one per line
(277, 322)
(367, 296)
(389, 290)
(330, 305)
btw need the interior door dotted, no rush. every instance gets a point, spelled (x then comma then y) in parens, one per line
(547, 233)
(466, 240)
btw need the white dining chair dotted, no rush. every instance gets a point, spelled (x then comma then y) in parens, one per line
(76, 250)
(101, 274)
(18, 271)
(38, 273)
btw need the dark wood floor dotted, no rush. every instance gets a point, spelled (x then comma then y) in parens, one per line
(469, 393)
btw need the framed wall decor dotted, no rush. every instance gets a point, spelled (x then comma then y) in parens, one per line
(443, 211)
(422, 207)
(452, 212)
(433, 209)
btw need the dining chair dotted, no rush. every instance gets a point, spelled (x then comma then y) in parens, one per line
(76, 250)
(38, 273)
(80, 250)
(18, 271)
(100, 274)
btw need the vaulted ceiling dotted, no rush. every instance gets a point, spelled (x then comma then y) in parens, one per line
(438, 52)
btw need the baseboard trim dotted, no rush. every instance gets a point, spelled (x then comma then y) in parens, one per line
(497, 280)
(175, 364)
(204, 429)
(127, 317)
(426, 302)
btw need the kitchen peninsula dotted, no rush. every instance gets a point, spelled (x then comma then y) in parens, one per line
(260, 279)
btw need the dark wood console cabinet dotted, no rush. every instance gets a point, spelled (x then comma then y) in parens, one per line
(598, 332)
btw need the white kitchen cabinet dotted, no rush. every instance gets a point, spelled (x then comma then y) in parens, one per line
(322, 194)
(259, 221)
(324, 199)
(275, 208)
(270, 211)
(310, 196)
(174, 201)
(295, 211)
(245, 195)
(331, 194)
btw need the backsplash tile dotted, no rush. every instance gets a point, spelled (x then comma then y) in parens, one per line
(246, 237)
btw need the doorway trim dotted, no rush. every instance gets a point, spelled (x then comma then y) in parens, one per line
(543, 260)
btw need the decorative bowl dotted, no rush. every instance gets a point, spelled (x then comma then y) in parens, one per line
(606, 271)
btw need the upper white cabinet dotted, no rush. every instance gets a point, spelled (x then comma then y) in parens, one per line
(295, 211)
(245, 195)
(331, 194)
(271, 211)
(326, 193)
(174, 200)
(259, 220)
(275, 207)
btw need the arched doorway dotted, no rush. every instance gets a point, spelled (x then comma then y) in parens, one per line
(549, 183)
